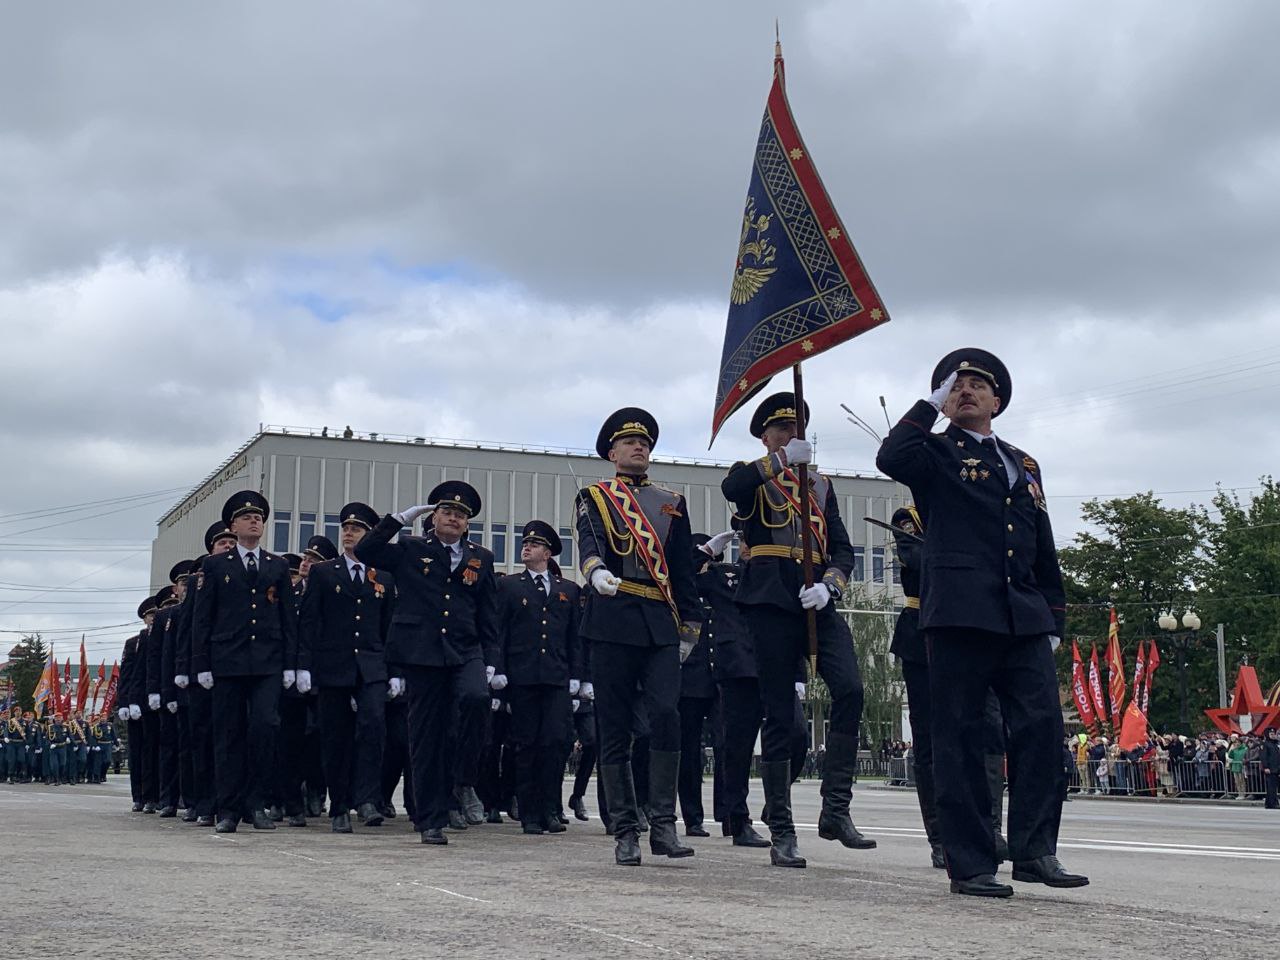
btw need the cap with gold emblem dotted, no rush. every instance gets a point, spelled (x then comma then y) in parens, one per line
(181, 570)
(359, 513)
(165, 597)
(321, 548)
(984, 364)
(246, 501)
(294, 561)
(215, 533)
(457, 494)
(147, 606)
(775, 409)
(542, 533)
(627, 422)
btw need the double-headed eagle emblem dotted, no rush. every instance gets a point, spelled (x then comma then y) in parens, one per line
(753, 247)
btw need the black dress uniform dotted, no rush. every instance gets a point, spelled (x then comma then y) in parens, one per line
(443, 628)
(245, 634)
(539, 654)
(699, 703)
(766, 495)
(160, 677)
(346, 614)
(636, 633)
(171, 693)
(131, 692)
(990, 595)
(295, 714)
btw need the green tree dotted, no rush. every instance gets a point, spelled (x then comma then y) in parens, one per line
(26, 661)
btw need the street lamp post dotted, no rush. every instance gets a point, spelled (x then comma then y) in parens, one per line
(1182, 640)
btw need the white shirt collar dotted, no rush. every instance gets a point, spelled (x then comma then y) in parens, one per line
(977, 436)
(352, 564)
(256, 551)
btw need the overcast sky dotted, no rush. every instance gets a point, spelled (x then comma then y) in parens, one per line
(500, 221)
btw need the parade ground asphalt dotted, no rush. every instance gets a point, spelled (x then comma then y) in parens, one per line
(85, 877)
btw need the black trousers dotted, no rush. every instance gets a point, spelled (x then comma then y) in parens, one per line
(246, 721)
(496, 783)
(584, 731)
(395, 753)
(186, 778)
(200, 724)
(625, 676)
(742, 712)
(963, 666)
(150, 755)
(539, 727)
(169, 775)
(472, 706)
(1273, 782)
(352, 743)
(289, 769)
(694, 712)
(135, 733)
(439, 699)
(781, 640)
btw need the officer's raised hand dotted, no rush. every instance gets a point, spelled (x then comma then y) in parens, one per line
(716, 545)
(410, 514)
(939, 396)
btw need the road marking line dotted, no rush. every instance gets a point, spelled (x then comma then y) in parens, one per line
(630, 940)
(460, 896)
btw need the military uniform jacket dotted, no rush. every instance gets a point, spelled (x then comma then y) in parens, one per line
(770, 521)
(129, 690)
(56, 736)
(604, 541)
(696, 679)
(243, 629)
(343, 629)
(182, 636)
(729, 649)
(179, 620)
(538, 634)
(442, 617)
(988, 562)
(163, 633)
(908, 639)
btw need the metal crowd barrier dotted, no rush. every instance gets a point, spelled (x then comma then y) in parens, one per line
(1207, 779)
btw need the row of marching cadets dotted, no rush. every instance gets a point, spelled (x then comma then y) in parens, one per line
(56, 750)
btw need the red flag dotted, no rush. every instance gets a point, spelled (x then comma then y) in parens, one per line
(1115, 672)
(54, 703)
(1080, 691)
(1153, 661)
(1133, 732)
(1095, 686)
(109, 703)
(97, 684)
(64, 704)
(82, 682)
(1139, 669)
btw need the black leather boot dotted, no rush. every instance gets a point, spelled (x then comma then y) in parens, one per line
(928, 798)
(837, 791)
(744, 834)
(776, 777)
(995, 785)
(620, 797)
(664, 769)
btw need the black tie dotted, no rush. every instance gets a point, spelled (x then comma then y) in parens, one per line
(252, 566)
(355, 575)
(990, 444)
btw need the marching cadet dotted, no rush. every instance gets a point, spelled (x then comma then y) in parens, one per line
(540, 664)
(318, 550)
(161, 691)
(243, 648)
(35, 748)
(346, 613)
(77, 748)
(56, 741)
(15, 745)
(641, 619)
(767, 495)
(442, 640)
(147, 686)
(131, 692)
(176, 759)
(100, 754)
(992, 602)
(218, 539)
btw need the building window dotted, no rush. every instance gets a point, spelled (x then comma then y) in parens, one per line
(877, 564)
(306, 529)
(499, 546)
(475, 532)
(566, 548)
(280, 538)
(332, 528)
(859, 564)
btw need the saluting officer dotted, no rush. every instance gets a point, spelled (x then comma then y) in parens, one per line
(346, 613)
(992, 601)
(243, 648)
(766, 493)
(443, 639)
(540, 657)
(641, 619)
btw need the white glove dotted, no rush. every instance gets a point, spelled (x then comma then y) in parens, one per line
(205, 680)
(172, 706)
(495, 704)
(603, 582)
(135, 712)
(303, 679)
(410, 514)
(574, 686)
(288, 678)
(587, 691)
(153, 701)
(815, 597)
(123, 713)
(939, 396)
(1055, 641)
(395, 687)
(717, 543)
(797, 451)
(488, 674)
(354, 708)
(181, 681)
(499, 681)
(800, 689)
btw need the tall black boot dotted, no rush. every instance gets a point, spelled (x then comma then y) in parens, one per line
(837, 791)
(929, 814)
(664, 770)
(995, 785)
(620, 795)
(776, 777)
